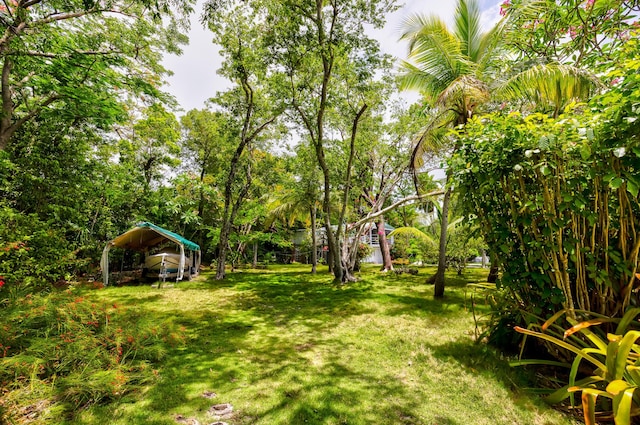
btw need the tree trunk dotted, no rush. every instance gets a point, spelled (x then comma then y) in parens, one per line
(229, 217)
(6, 129)
(334, 249)
(222, 249)
(347, 265)
(254, 264)
(314, 240)
(438, 279)
(201, 202)
(387, 265)
(493, 272)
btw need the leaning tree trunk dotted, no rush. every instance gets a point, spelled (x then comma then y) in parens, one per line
(438, 279)
(387, 264)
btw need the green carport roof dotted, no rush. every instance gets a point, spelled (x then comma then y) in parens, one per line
(147, 234)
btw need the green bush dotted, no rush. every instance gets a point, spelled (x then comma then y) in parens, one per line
(558, 200)
(33, 254)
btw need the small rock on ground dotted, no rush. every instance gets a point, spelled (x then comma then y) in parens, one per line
(186, 421)
(221, 409)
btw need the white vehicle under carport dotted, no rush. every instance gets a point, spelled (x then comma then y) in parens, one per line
(165, 265)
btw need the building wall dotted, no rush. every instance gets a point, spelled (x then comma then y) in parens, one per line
(375, 257)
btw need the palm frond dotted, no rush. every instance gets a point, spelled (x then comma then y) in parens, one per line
(412, 232)
(413, 78)
(433, 50)
(467, 28)
(492, 46)
(551, 84)
(463, 94)
(417, 24)
(456, 224)
(432, 138)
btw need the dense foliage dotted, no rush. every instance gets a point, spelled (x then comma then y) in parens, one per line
(557, 199)
(605, 369)
(90, 145)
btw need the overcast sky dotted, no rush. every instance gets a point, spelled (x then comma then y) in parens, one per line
(195, 79)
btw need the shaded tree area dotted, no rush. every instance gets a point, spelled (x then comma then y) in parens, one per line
(95, 147)
(532, 123)
(88, 168)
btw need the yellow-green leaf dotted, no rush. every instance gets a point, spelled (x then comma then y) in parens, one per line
(580, 326)
(617, 386)
(622, 407)
(597, 363)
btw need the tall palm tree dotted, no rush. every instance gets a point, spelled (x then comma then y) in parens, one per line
(449, 68)
(456, 71)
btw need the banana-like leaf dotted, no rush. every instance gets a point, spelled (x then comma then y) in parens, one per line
(626, 320)
(483, 285)
(553, 318)
(582, 325)
(589, 407)
(572, 376)
(562, 393)
(587, 356)
(528, 362)
(622, 406)
(634, 374)
(413, 232)
(617, 386)
(562, 312)
(601, 346)
(622, 354)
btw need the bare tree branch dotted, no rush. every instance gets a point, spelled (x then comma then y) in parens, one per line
(396, 204)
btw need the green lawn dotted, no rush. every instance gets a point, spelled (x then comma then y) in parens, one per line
(286, 347)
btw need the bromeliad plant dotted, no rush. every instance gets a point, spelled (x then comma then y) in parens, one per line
(613, 360)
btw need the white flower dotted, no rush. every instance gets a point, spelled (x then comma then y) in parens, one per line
(620, 152)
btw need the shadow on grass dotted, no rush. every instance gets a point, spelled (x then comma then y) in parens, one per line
(481, 359)
(266, 338)
(289, 296)
(256, 306)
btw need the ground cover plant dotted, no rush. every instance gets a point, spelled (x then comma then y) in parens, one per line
(283, 346)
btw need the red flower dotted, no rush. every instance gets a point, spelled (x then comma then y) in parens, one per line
(2, 282)
(504, 6)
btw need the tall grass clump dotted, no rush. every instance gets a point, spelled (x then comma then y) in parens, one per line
(64, 352)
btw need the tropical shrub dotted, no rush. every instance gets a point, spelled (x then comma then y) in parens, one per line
(33, 253)
(608, 362)
(62, 349)
(557, 200)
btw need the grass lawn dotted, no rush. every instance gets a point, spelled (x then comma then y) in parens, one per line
(286, 347)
